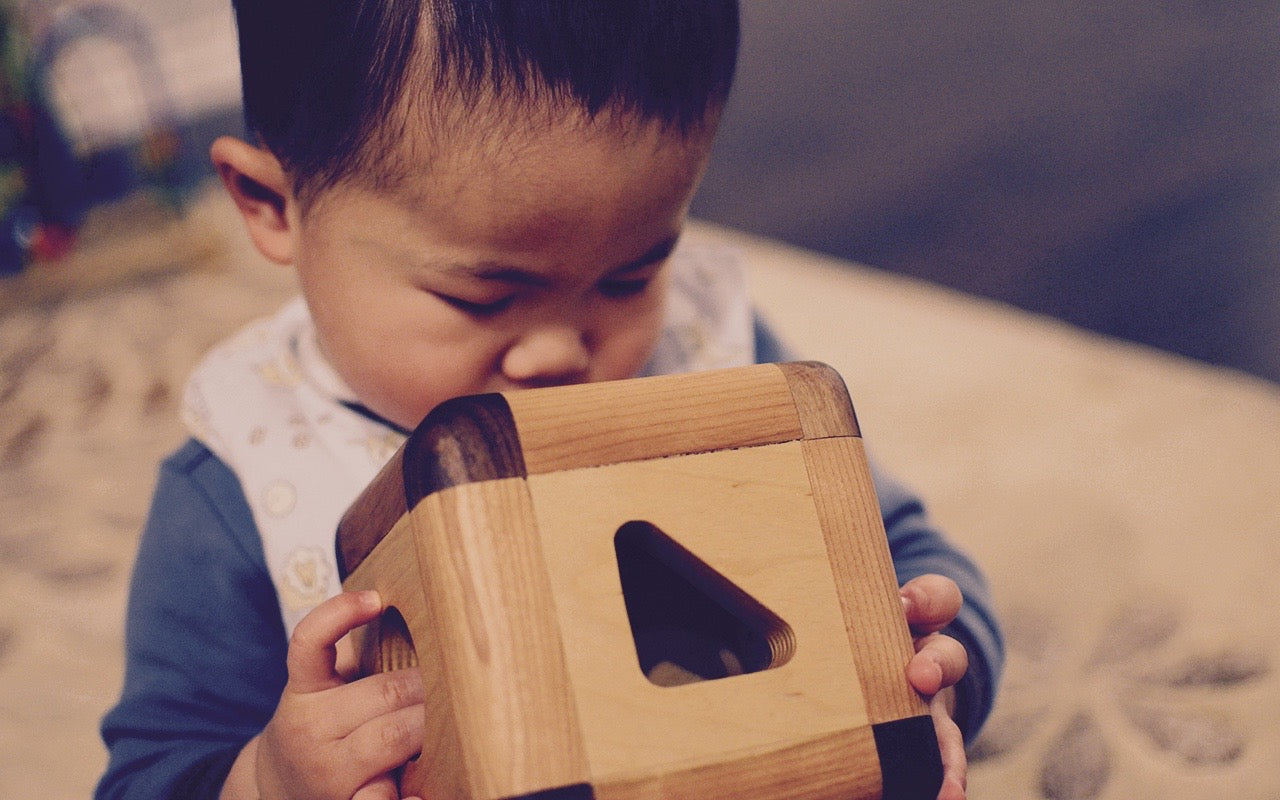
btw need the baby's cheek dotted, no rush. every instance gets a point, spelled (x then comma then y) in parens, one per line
(634, 343)
(627, 357)
(396, 387)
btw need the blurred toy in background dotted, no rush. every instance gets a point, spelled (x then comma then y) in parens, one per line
(48, 183)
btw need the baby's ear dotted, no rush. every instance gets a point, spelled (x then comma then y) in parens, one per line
(262, 193)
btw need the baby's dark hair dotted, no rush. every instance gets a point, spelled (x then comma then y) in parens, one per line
(323, 79)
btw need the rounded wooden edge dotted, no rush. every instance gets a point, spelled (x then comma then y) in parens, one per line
(370, 517)
(910, 762)
(463, 440)
(821, 398)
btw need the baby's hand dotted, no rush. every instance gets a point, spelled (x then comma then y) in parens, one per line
(332, 739)
(930, 603)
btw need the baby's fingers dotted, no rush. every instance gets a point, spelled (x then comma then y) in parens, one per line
(381, 788)
(385, 743)
(939, 662)
(384, 693)
(313, 653)
(930, 602)
(955, 764)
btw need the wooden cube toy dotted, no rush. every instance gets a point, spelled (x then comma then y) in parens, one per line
(668, 587)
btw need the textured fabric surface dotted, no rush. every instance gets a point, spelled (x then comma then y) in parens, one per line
(1120, 500)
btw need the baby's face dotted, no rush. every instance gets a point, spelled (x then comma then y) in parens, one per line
(536, 260)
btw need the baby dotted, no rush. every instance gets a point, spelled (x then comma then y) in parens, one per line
(475, 196)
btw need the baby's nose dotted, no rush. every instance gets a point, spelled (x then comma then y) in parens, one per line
(547, 356)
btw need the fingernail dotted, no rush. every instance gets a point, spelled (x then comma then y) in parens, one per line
(370, 599)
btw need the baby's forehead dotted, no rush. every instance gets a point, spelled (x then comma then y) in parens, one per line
(499, 134)
(522, 180)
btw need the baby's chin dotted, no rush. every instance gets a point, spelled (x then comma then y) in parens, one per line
(405, 419)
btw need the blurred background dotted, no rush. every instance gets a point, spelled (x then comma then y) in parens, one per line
(1115, 165)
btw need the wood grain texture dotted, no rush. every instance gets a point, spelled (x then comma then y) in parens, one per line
(859, 555)
(748, 514)
(371, 516)
(489, 603)
(607, 423)
(839, 765)
(499, 721)
(462, 440)
(821, 400)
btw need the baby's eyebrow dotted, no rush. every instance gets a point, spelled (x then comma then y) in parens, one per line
(495, 271)
(654, 254)
(505, 273)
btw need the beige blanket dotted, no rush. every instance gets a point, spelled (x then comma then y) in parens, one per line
(1122, 501)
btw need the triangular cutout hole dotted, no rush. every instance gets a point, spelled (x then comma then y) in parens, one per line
(689, 622)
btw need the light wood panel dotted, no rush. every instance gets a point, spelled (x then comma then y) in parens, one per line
(466, 573)
(643, 418)
(747, 513)
(844, 496)
(841, 765)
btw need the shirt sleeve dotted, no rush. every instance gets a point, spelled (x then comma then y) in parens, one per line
(919, 548)
(204, 645)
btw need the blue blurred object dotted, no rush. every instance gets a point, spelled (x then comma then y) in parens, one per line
(46, 189)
